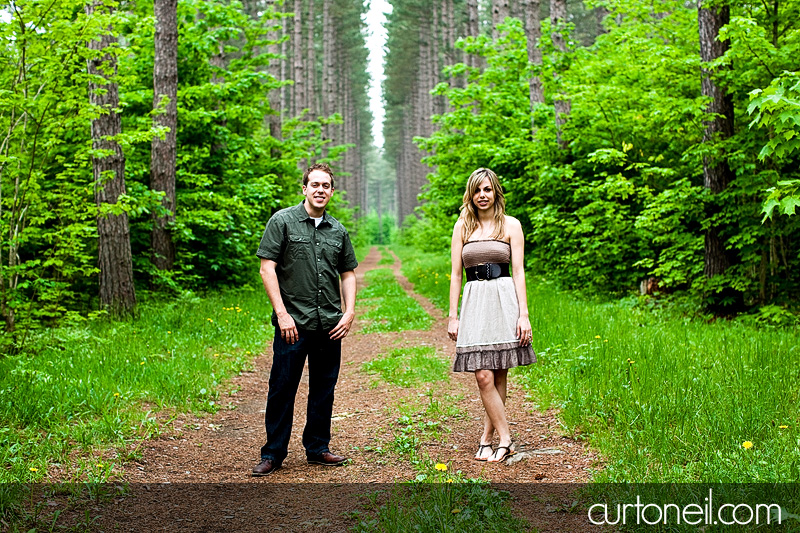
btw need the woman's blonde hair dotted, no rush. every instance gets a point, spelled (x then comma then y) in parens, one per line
(468, 209)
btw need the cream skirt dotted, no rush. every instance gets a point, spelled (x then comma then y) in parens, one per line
(487, 331)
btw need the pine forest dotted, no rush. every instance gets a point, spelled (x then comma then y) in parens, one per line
(650, 151)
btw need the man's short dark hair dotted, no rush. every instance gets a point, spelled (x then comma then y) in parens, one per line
(324, 167)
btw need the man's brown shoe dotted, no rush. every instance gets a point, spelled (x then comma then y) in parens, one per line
(327, 459)
(265, 468)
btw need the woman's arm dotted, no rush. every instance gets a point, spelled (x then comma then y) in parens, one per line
(455, 279)
(518, 273)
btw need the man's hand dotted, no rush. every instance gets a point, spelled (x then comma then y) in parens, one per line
(343, 327)
(287, 327)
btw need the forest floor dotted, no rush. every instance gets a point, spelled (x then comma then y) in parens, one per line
(443, 426)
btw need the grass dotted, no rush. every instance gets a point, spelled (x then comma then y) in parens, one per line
(77, 404)
(407, 367)
(663, 398)
(429, 273)
(441, 507)
(386, 257)
(389, 307)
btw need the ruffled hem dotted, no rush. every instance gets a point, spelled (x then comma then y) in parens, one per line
(492, 357)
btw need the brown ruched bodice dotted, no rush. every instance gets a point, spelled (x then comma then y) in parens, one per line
(488, 251)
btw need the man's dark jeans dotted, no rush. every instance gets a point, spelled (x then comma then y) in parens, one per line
(324, 360)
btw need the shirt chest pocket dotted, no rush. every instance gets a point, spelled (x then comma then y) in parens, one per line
(299, 247)
(331, 249)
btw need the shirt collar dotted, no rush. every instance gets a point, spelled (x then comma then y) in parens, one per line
(302, 214)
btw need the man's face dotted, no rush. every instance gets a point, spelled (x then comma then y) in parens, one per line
(318, 191)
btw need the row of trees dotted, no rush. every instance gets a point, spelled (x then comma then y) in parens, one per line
(143, 146)
(633, 152)
(422, 38)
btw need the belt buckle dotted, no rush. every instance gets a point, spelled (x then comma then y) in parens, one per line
(478, 272)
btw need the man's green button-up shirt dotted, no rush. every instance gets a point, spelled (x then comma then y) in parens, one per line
(310, 260)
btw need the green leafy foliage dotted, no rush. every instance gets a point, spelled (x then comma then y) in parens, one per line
(777, 108)
(625, 200)
(231, 173)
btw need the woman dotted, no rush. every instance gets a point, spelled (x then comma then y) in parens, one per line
(493, 333)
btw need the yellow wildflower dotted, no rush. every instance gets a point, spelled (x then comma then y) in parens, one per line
(747, 445)
(32, 469)
(450, 480)
(141, 363)
(597, 336)
(784, 427)
(442, 467)
(116, 394)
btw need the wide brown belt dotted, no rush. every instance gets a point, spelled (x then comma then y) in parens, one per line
(487, 271)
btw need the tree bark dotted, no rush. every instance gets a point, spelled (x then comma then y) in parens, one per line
(311, 61)
(114, 258)
(517, 8)
(437, 102)
(328, 69)
(500, 10)
(299, 94)
(601, 12)
(449, 32)
(717, 174)
(533, 34)
(275, 97)
(473, 29)
(286, 105)
(562, 104)
(163, 152)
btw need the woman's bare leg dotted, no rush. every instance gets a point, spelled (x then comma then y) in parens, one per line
(492, 387)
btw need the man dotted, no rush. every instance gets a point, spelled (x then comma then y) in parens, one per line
(303, 253)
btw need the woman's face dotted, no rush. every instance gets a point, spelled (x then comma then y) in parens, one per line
(483, 198)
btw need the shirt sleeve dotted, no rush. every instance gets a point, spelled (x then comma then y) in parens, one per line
(347, 257)
(271, 246)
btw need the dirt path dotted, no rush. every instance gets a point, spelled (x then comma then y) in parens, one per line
(224, 447)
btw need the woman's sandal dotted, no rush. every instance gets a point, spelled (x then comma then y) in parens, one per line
(509, 451)
(481, 447)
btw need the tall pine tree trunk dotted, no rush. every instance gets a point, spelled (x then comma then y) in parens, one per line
(473, 29)
(311, 61)
(286, 94)
(275, 97)
(500, 10)
(114, 259)
(298, 51)
(328, 70)
(533, 33)
(562, 104)
(717, 174)
(163, 152)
